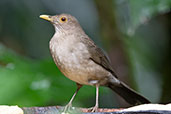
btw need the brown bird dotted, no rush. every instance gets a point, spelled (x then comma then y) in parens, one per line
(80, 60)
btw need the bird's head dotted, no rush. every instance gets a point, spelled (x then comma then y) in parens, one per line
(63, 23)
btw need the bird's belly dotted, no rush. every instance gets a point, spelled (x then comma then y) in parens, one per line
(85, 73)
(73, 70)
(78, 75)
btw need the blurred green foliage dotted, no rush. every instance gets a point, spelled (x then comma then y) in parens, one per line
(142, 11)
(136, 13)
(146, 36)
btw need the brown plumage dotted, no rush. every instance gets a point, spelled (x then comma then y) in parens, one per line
(79, 59)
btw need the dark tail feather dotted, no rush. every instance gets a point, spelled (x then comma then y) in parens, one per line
(128, 94)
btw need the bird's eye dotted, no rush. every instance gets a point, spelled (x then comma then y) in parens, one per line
(63, 19)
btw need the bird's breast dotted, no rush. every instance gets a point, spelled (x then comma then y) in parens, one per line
(71, 58)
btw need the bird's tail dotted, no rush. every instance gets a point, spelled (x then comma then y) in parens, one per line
(128, 94)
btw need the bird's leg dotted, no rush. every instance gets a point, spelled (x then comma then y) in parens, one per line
(97, 99)
(69, 105)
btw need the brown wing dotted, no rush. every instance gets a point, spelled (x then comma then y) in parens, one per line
(98, 56)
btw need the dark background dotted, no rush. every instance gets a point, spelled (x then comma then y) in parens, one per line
(135, 34)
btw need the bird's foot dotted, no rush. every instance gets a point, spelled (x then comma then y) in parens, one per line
(93, 109)
(67, 108)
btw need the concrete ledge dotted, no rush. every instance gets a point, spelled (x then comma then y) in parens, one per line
(140, 109)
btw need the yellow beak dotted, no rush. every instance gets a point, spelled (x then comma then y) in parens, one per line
(46, 17)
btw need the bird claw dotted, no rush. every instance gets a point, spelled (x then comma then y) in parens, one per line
(67, 108)
(93, 109)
